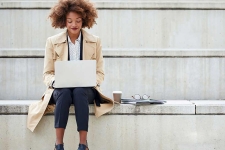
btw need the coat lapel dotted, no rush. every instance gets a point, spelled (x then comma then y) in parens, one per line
(89, 45)
(61, 46)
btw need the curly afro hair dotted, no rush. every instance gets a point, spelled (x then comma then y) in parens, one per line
(83, 7)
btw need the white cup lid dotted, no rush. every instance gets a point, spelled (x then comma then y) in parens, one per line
(117, 91)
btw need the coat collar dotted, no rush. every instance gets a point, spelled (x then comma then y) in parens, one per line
(62, 37)
(78, 39)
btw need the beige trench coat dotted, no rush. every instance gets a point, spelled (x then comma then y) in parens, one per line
(57, 50)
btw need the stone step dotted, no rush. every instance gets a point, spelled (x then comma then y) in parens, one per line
(121, 53)
(171, 107)
(124, 4)
(176, 125)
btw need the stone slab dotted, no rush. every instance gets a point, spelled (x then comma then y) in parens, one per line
(39, 53)
(209, 107)
(8, 107)
(169, 30)
(120, 132)
(172, 107)
(161, 78)
(123, 4)
(22, 53)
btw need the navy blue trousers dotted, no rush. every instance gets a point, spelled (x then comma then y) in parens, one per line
(80, 97)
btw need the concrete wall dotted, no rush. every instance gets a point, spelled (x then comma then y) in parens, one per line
(167, 49)
(123, 29)
(162, 78)
(176, 125)
(156, 132)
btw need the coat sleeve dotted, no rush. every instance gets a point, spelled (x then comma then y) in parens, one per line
(99, 63)
(49, 69)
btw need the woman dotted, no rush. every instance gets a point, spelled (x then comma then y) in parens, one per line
(72, 44)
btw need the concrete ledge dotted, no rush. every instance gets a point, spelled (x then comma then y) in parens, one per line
(39, 53)
(172, 107)
(178, 132)
(210, 107)
(125, 132)
(163, 53)
(31, 53)
(122, 4)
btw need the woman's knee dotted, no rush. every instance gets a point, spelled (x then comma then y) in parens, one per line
(62, 93)
(80, 95)
(79, 91)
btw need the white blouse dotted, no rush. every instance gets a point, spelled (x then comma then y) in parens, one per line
(74, 49)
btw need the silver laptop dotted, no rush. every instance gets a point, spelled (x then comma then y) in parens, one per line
(81, 73)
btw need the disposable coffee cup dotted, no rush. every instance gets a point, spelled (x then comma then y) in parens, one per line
(117, 96)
